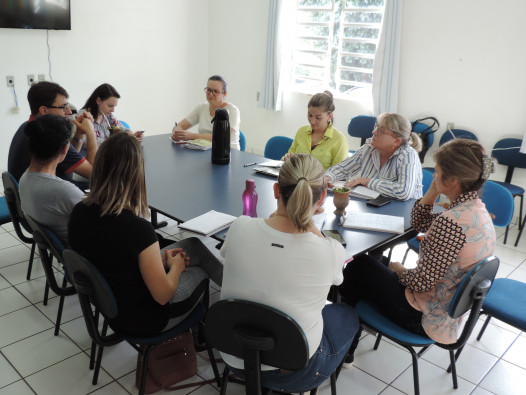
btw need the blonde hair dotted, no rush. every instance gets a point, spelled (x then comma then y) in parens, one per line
(117, 180)
(301, 184)
(400, 126)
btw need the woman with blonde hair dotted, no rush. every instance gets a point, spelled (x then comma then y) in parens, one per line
(387, 163)
(285, 262)
(153, 292)
(320, 139)
(455, 240)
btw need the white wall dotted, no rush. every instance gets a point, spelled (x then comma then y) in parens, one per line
(155, 53)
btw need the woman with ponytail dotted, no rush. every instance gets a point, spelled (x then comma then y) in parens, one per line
(286, 263)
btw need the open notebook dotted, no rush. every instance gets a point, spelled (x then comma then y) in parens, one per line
(376, 222)
(209, 223)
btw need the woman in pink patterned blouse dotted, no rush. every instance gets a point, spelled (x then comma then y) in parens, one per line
(455, 240)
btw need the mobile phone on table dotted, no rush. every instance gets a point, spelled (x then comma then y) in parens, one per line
(379, 201)
(334, 234)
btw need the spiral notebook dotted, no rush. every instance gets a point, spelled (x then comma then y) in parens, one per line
(376, 222)
(209, 223)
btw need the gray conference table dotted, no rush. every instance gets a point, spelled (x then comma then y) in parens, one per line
(183, 184)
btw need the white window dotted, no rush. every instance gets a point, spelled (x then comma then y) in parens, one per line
(335, 44)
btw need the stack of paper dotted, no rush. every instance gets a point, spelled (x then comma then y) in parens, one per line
(360, 191)
(377, 222)
(199, 144)
(208, 223)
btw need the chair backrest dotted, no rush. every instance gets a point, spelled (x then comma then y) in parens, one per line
(427, 179)
(45, 238)
(499, 203)
(89, 281)
(451, 134)
(14, 206)
(242, 141)
(240, 327)
(277, 146)
(5, 216)
(506, 151)
(361, 126)
(125, 124)
(475, 285)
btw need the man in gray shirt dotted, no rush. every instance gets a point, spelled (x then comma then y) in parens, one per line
(44, 196)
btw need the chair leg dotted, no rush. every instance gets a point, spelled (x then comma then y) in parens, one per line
(333, 383)
(405, 255)
(145, 356)
(453, 368)
(214, 365)
(46, 293)
(99, 355)
(60, 307)
(416, 380)
(521, 228)
(224, 381)
(483, 327)
(377, 342)
(506, 234)
(450, 367)
(31, 257)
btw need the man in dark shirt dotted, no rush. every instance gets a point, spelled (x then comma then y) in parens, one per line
(50, 98)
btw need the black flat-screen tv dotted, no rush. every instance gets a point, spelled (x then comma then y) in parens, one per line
(35, 14)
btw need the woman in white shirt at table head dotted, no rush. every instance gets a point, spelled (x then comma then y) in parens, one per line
(388, 162)
(286, 263)
(215, 92)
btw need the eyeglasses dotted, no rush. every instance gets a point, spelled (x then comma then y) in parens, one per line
(64, 108)
(381, 130)
(214, 91)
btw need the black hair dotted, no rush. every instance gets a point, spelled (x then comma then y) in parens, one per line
(48, 135)
(102, 92)
(43, 93)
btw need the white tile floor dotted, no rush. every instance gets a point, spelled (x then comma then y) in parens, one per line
(32, 360)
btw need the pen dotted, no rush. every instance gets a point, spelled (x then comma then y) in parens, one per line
(250, 164)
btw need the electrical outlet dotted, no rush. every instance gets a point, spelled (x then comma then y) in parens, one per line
(41, 77)
(450, 126)
(30, 79)
(15, 110)
(10, 81)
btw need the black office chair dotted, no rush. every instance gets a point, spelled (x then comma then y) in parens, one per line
(469, 296)
(93, 290)
(425, 130)
(49, 246)
(258, 334)
(16, 216)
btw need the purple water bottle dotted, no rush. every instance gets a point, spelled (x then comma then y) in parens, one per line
(250, 199)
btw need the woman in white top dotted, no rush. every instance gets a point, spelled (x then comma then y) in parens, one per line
(203, 113)
(286, 263)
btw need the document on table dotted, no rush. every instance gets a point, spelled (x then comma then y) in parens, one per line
(269, 171)
(363, 192)
(209, 223)
(376, 222)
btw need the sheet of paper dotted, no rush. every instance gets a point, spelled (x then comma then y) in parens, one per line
(376, 222)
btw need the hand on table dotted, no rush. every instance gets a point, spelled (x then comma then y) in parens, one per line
(178, 135)
(358, 181)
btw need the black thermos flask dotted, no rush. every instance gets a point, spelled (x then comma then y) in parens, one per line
(221, 137)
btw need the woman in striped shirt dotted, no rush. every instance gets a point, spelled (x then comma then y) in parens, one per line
(387, 163)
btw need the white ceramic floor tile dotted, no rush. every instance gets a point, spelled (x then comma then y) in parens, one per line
(77, 331)
(480, 391)
(71, 376)
(119, 360)
(433, 381)
(505, 379)
(16, 273)
(386, 363)
(18, 388)
(391, 391)
(128, 382)
(21, 324)
(70, 311)
(509, 255)
(8, 227)
(519, 275)
(39, 351)
(11, 300)
(360, 382)
(472, 365)
(504, 270)
(517, 353)
(34, 290)
(15, 254)
(495, 340)
(111, 389)
(7, 240)
(8, 375)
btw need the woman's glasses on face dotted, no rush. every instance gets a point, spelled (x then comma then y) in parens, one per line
(214, 91)
(382, 130)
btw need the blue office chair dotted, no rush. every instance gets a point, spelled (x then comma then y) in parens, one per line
(49, 246)
(10, 204)
(125, 124)
(92, 289)
(242, 141)
(361, 126)
(451, 134)
(426, 132)
(258, 334)
(506, 151)
(469, 296)
(277, 146)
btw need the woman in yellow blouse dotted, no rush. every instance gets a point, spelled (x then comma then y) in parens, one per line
(320, 138)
